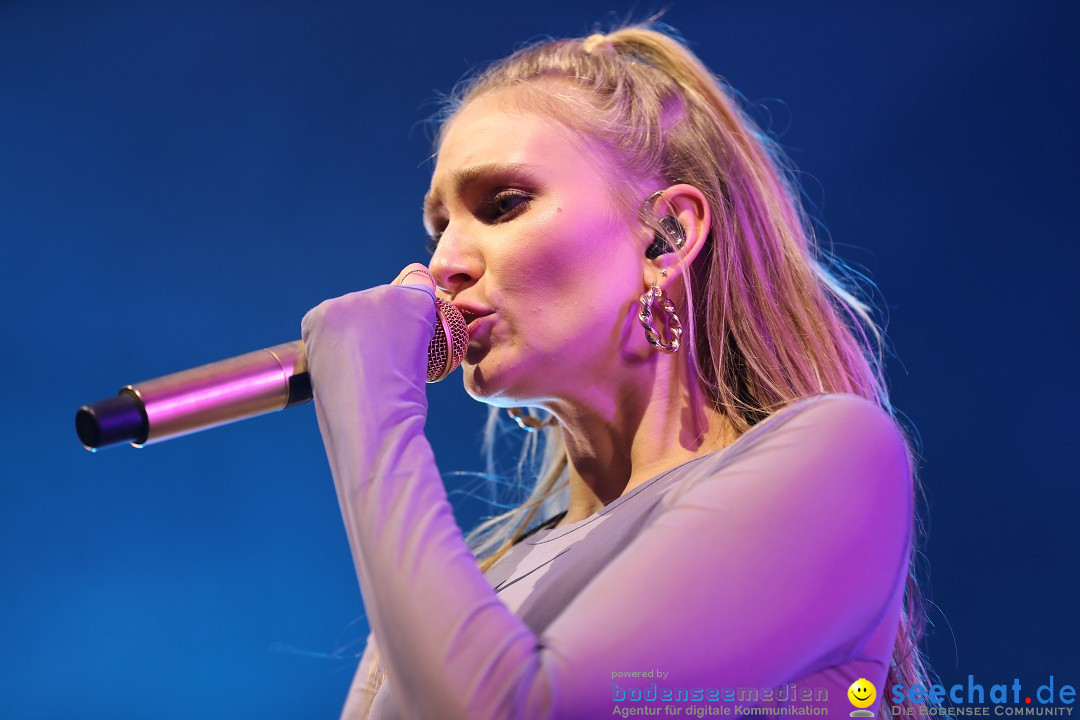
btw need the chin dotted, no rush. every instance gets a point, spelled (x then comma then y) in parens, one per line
(480, 386)
(489, 383)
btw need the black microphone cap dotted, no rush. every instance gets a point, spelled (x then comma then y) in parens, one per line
(119, 419)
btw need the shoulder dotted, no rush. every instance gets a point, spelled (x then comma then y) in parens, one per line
(851, 435)
(823, 492)
(843, 444)
(834, 428)
(799, 530)
(826, 477)
(844, 407)
(835, 411)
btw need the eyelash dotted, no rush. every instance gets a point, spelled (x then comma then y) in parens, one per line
(493, 203)
(491, 213)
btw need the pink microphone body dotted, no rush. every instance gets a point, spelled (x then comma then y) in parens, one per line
(234, 389)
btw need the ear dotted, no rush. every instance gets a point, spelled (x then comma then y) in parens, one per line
(690, 208)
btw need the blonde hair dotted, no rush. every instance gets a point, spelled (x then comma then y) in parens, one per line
(772, 318)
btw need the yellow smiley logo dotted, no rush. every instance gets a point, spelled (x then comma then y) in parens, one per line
(862, 693)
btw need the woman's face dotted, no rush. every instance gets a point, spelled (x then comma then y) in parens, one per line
(537, 253)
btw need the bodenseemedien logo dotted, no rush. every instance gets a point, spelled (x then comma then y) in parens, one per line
(862, 695)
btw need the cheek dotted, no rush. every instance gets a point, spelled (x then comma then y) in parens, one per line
(565, 278)
(571, 305)
(546, 248)
(579, 253)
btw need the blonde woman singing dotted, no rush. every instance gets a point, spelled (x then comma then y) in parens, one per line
(724, 516)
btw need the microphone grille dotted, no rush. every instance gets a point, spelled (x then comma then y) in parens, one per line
(447, 348)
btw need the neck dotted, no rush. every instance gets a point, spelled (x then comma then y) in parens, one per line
(643, 428)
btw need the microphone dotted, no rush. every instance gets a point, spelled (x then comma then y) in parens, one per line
(234, 389)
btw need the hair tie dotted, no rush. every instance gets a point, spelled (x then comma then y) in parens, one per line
(597, 42)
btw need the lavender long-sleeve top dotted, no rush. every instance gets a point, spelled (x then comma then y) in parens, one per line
(770, 572)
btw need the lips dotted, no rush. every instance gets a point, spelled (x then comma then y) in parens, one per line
(478, 327)
(473, 314)
(480, 320)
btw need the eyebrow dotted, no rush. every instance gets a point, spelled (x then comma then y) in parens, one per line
(466, 176)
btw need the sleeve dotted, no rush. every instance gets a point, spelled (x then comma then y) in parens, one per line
(745, 579)
(362, 691)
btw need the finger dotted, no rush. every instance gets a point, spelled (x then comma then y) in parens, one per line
(415, 274)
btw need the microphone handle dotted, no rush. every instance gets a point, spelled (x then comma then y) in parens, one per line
(239, 387)
(203, 397)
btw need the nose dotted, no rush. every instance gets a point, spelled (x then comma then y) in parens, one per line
(455, 263)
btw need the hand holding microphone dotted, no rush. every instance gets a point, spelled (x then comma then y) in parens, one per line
(246, 385)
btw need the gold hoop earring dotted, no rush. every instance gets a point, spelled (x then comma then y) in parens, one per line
(652, 297)
(528, 422)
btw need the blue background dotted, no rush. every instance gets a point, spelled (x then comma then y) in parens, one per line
(180, 182)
